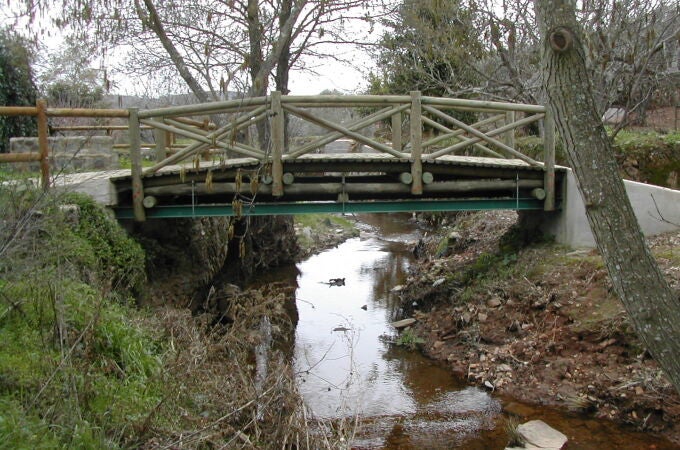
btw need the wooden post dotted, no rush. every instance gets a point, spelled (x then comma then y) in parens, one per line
(396, 131)
(136, 160)
(41, 106)
(416, 143)
(549, 160)
(278, 143)
(510, 134)
(160, 136)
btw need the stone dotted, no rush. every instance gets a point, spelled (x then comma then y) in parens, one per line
(482, 317)
(538, 434)
(71, 213)
(494, 302)
(439, 282)
(454, 236)
(504, 368)
(403, 323)
(614, 115)
(397, 288)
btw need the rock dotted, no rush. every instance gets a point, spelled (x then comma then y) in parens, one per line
(454, 236)
(438, 344)
(397, 288)
(538, 434)
(488, 385)
(365, 307)
(342, 329)
(403, 323)
(439, 282)
(71, 213)
(307, 232)
(504, 368)
(482, 317)
(613, 116)
(494, 302)
(519, 409)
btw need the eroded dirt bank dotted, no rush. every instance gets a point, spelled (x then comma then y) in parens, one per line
(540, 324)
(186, 257)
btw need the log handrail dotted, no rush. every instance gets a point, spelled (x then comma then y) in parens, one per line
(485, 135)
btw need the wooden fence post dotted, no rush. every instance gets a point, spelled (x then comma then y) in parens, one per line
(396, 131)
(416, 143)
(160, 136)
(43, 145)
(136, 160)
(549, 160)
(510, 134)
(278, 137)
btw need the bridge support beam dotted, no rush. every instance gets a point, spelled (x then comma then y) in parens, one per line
(136, 161)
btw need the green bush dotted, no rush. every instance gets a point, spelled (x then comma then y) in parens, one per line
(78, 368)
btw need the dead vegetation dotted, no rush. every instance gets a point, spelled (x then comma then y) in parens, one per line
(541, 324)
(212, 396)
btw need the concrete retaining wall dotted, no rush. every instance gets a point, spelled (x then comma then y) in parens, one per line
(571, 227)
(70, 153)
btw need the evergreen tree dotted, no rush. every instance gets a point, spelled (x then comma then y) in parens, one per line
(425, 48)
(16, 86)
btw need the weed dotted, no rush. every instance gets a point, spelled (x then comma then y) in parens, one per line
(409, 339)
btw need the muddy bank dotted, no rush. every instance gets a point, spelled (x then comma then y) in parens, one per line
(540, 324)
(317, 232)
(186, 257)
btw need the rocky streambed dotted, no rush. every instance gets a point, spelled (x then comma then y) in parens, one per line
(541, 325)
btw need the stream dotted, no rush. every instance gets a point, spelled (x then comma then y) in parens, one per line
(348, 368)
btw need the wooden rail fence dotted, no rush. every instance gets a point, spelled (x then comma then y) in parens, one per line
(492, 135)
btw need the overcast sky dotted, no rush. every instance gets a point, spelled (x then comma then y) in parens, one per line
(330, 74)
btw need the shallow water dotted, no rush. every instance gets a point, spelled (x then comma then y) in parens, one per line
(347, 368)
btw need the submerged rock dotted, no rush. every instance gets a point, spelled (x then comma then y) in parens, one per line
(403, 323)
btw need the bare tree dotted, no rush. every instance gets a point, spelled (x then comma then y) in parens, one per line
(624, 44)
(213, 44)
(653, 307)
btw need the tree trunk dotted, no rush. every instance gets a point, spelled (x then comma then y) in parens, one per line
(283, 65)
(259, 78)
(652, 306)
(150, 17)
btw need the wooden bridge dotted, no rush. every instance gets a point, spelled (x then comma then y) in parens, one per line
(246, 164)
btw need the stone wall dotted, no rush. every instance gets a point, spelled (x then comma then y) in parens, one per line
(72, 153)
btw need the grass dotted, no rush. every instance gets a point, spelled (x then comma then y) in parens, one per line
(409, 339)
(76, 368)
(81, 366)
(319, 224)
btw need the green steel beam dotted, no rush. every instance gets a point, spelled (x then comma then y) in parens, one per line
(272, 209)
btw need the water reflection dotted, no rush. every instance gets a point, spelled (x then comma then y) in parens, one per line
(345, 368)
(405, 401)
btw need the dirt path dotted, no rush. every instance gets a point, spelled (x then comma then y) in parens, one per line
(540, 324)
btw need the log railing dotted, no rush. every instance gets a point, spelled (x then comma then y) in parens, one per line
(492, 135)
(41, 112)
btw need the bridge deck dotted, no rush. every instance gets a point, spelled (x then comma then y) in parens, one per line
(347, 182)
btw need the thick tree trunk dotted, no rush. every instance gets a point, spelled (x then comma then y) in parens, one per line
(651, 304)
(259, 77)
(282, 74)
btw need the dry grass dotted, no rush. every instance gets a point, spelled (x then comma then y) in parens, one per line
(213, 398)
